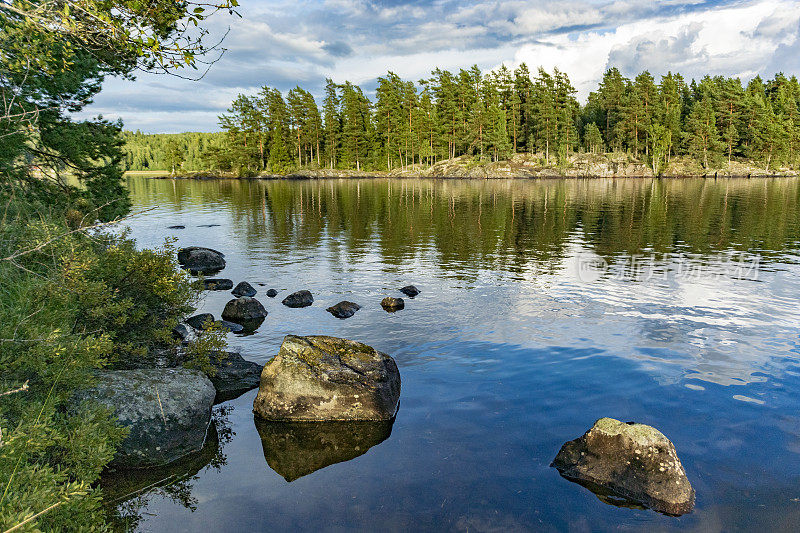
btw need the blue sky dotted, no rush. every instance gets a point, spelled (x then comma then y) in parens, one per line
(285, 43)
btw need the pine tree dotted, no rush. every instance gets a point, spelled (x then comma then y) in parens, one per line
(702, 137)
(332, 122)
(592, 138)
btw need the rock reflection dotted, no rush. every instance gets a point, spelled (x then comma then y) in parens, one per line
(296, 449)
(127, 492)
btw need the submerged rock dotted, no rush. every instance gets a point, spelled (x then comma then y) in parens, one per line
(176, 226)
(244, 289)
(343, 309)
(272, 293)
(634, 461)
(218, 284)
(296, 449)
(299, 299)
(199, 260)
(233, 375)
(166, 410)
(392, 304)
(410, 291)
(198, 321)
(243, 309)
(327, 378)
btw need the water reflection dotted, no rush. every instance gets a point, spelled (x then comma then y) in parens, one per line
(296, 449)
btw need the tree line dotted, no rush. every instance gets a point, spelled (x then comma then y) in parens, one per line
(494, 115)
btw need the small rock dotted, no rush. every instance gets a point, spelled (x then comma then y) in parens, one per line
(272, 293)
(166, 410)
(244, 289)
(243, 309)
(392, 304)
(198, 321)
(199, 260)
(230, 326)
(343, 309)
(299, 299)
(321, 378)
(217, 284)
(410, 291)
(233, 375)
(635, 461)
(208, 226)
(177, 226)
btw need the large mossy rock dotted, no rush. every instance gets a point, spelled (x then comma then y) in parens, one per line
(634, 461)
(167, 412)
(233, 375)
(199, 260)
(296, 449)
(325, 378)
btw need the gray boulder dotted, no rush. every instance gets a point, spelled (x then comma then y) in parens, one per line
(244, 289)
(167, 412)
(198, 321)
(635, 461)
(217, 284)
(233, 375)
(199, 260)
(343, 309)
(326, 378)
(243, 309)
(392, 304)
(410, 291)
(299, 299)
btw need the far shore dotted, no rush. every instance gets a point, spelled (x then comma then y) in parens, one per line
(521, 166)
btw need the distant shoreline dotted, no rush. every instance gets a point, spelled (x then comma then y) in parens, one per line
(521, 166)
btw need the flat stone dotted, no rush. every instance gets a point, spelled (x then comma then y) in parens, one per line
(218, 284)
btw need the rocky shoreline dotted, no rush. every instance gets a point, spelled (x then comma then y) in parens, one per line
(525, 166)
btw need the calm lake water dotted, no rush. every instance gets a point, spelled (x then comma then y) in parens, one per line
(545, 305)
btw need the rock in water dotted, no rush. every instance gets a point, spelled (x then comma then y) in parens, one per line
(343, 309)
(198, 321)
(242, 309)
(634, 461)
(232, 327)
(272, 293)
(199, 260)
(167, 412)
(244, 289)
(176, 226)
(218, 284)
(392, 304)
(296, 449)
(410, 291)
(299, 299)
(233, 375)
(321, 378)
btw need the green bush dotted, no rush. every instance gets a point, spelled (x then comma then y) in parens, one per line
(75, 302)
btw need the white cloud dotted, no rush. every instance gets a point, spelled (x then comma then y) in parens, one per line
(281, 43)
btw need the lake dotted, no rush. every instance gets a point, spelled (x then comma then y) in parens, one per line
(545, 305)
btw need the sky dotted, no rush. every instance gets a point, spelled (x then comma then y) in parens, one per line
(284, 43)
